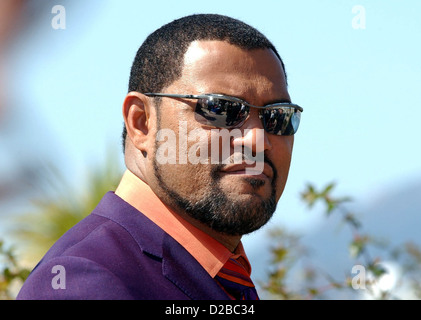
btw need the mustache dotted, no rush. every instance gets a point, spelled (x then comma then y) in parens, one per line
(245, 157)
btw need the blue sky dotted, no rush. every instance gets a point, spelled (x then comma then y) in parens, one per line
(360, 88)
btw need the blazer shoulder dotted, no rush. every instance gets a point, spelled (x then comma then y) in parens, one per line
(73, 278)
(115, 250)
(112, 226)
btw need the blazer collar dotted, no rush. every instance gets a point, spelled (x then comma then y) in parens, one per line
(187, 274)
(178, 265)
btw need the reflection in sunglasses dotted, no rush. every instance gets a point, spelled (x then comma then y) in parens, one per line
(229, 112)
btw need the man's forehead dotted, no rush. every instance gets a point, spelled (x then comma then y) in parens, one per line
(201, 49)
(196, 51)
(218, 66)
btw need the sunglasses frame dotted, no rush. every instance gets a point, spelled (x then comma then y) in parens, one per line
(225, 97)
(222, 96)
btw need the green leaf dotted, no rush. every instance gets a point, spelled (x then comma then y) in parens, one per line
(377, 270)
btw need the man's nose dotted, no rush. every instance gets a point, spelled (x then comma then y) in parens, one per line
(253, 136)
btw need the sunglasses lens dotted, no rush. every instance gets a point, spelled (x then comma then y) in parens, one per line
(223, 113)
(282, 121)
(220, 113)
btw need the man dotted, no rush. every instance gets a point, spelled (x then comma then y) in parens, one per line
(173, 227)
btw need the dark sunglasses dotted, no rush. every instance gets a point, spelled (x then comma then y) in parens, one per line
(228, 112)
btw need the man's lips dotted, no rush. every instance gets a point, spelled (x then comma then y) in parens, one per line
(249, 170)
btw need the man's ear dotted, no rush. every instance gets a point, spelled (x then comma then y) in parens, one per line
(137, 118)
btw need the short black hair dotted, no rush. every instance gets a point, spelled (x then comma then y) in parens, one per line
(159, 60)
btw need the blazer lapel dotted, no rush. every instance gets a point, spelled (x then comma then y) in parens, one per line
(178, 265)
(187, 274)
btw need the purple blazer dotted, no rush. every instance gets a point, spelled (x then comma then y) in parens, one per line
(118, 253)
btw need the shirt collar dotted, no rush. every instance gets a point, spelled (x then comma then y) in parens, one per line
(210, 253)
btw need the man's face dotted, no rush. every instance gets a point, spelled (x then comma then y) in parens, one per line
(223, 196)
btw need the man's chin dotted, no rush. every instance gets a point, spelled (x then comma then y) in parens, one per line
(242, 215)
(247, 190)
